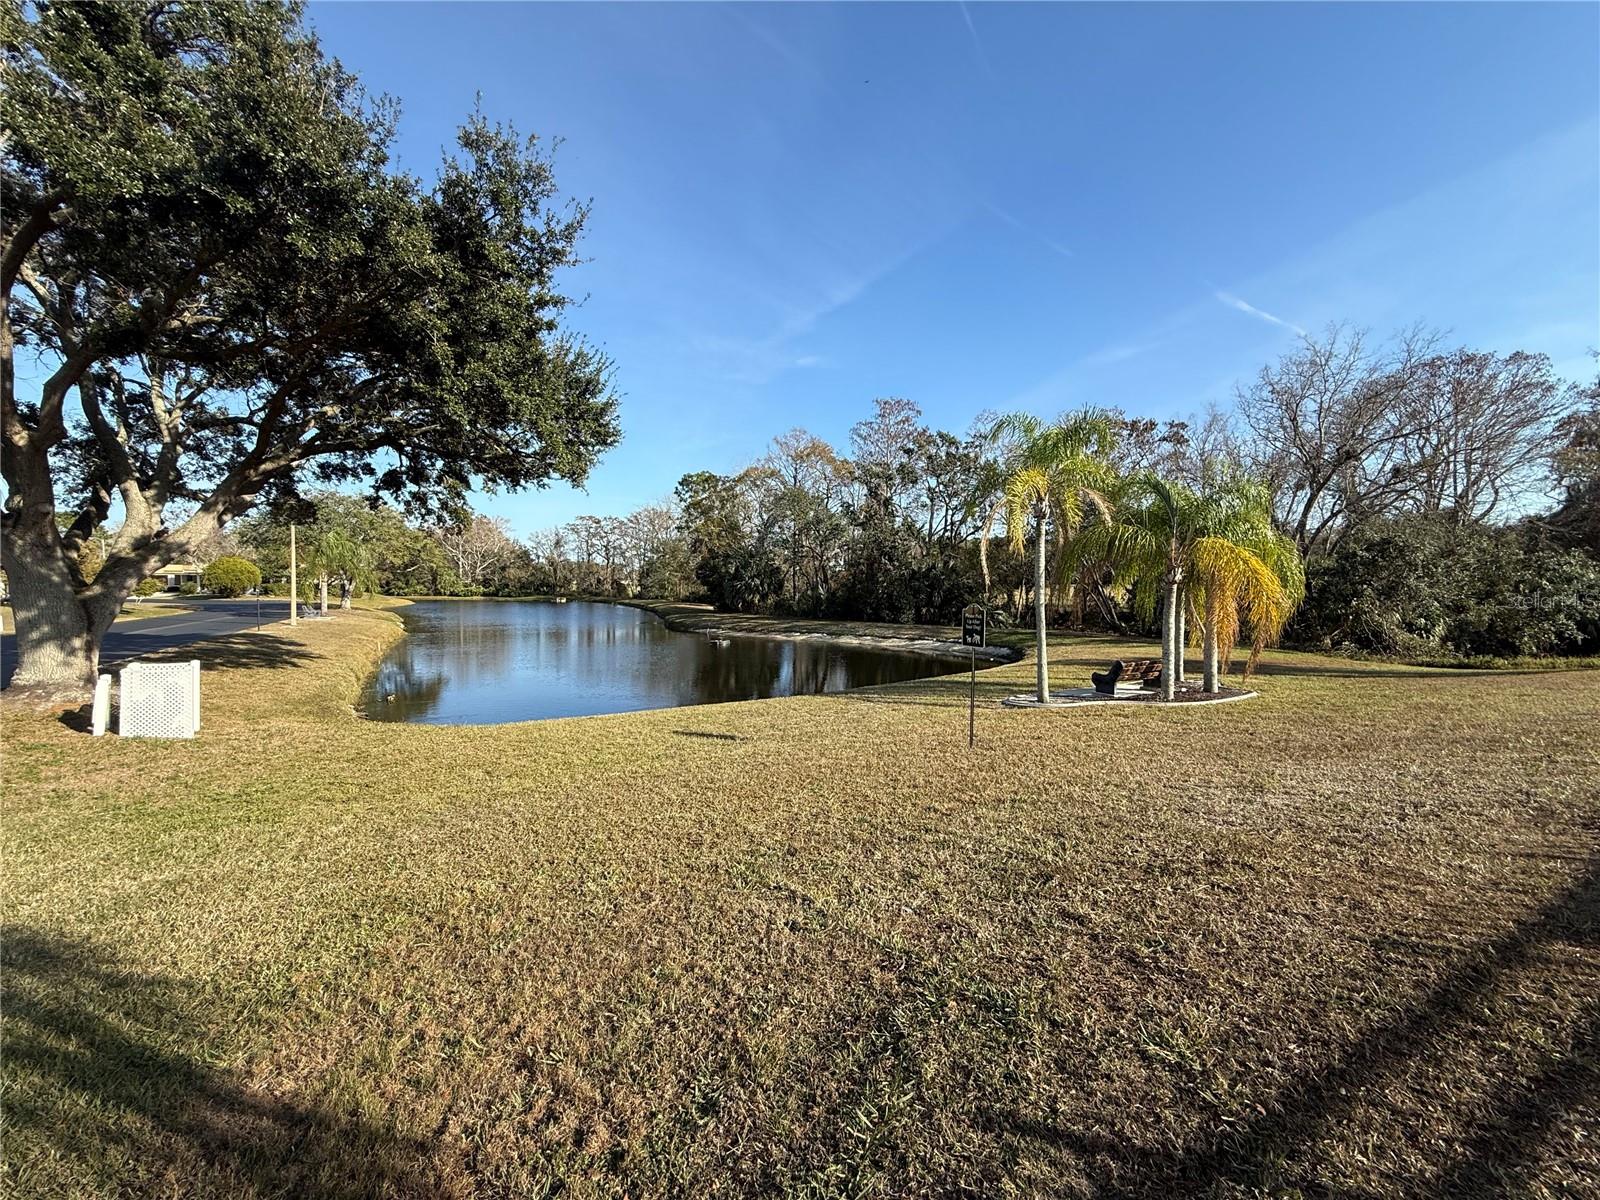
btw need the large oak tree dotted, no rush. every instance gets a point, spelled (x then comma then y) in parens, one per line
(217, 287)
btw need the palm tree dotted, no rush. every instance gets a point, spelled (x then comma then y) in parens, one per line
(1214, 553)
(1051, 475)
(333, 554)
(1242, 567)
(1145, 546)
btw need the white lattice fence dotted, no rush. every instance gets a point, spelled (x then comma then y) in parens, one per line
(159, 700)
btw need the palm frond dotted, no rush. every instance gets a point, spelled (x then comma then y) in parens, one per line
(1024, 490)
(983, 545)
(1239, 584)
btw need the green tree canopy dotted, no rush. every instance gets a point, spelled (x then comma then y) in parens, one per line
(231, 575)
(401, 559)
(205, 241)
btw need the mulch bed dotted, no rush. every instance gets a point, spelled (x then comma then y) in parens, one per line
(1191, 693)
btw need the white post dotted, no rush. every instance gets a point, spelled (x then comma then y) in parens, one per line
(294, 582)
(100, 714)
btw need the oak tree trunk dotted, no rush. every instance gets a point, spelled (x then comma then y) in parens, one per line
(58, 630)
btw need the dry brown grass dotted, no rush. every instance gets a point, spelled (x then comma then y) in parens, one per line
(1341, 939)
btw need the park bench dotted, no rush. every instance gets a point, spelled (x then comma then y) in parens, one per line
(1146, 672)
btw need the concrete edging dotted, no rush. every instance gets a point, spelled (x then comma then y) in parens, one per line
(1075, 699)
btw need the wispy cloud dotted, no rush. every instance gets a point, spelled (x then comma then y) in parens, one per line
(771, 40)
(977, 42)
(1245, 306)
(758, 360)
(1017, 223)
(1116, 353)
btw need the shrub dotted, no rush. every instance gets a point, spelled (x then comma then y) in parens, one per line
(188, 589)
(148, 587)
(231, 576)
(1425, 586)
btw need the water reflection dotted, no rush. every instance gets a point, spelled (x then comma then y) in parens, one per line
(468, 662)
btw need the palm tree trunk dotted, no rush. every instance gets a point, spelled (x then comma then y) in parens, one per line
(1169, 640)
(1042, 663)
(1183, 636)
(1212, 681)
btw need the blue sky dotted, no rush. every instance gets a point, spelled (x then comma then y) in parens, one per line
(798, 207)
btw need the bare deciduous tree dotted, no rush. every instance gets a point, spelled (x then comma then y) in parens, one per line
(549, 547)
(1487, 431)
(1346, 433)
(476, 548)
(809, 484)
(1333, 424)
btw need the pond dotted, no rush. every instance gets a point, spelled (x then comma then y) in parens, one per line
(483, 662)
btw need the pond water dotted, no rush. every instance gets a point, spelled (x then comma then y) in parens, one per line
(483, 662)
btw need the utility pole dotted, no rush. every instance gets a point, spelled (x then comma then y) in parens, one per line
(294, 582)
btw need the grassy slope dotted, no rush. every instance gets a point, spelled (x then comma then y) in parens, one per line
(1342, 938)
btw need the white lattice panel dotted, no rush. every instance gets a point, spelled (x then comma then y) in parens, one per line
(159, 700)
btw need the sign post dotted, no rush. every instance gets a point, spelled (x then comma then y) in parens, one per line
(974, 633)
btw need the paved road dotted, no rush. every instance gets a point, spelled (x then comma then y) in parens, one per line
(130, 639)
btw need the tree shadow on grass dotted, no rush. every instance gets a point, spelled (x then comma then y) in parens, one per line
(107, 1092)
(1509, 1141)
(247, 651)
(935, 696)
(940, 691)
(1359, 669)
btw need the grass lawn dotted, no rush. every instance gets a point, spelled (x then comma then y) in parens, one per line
(1341, 939)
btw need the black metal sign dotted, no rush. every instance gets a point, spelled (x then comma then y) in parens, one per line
(975, 625)
(974, 633)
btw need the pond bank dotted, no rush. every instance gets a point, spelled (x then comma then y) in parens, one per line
(910, 639)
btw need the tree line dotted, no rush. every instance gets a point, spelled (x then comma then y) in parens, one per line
(1413, 482)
